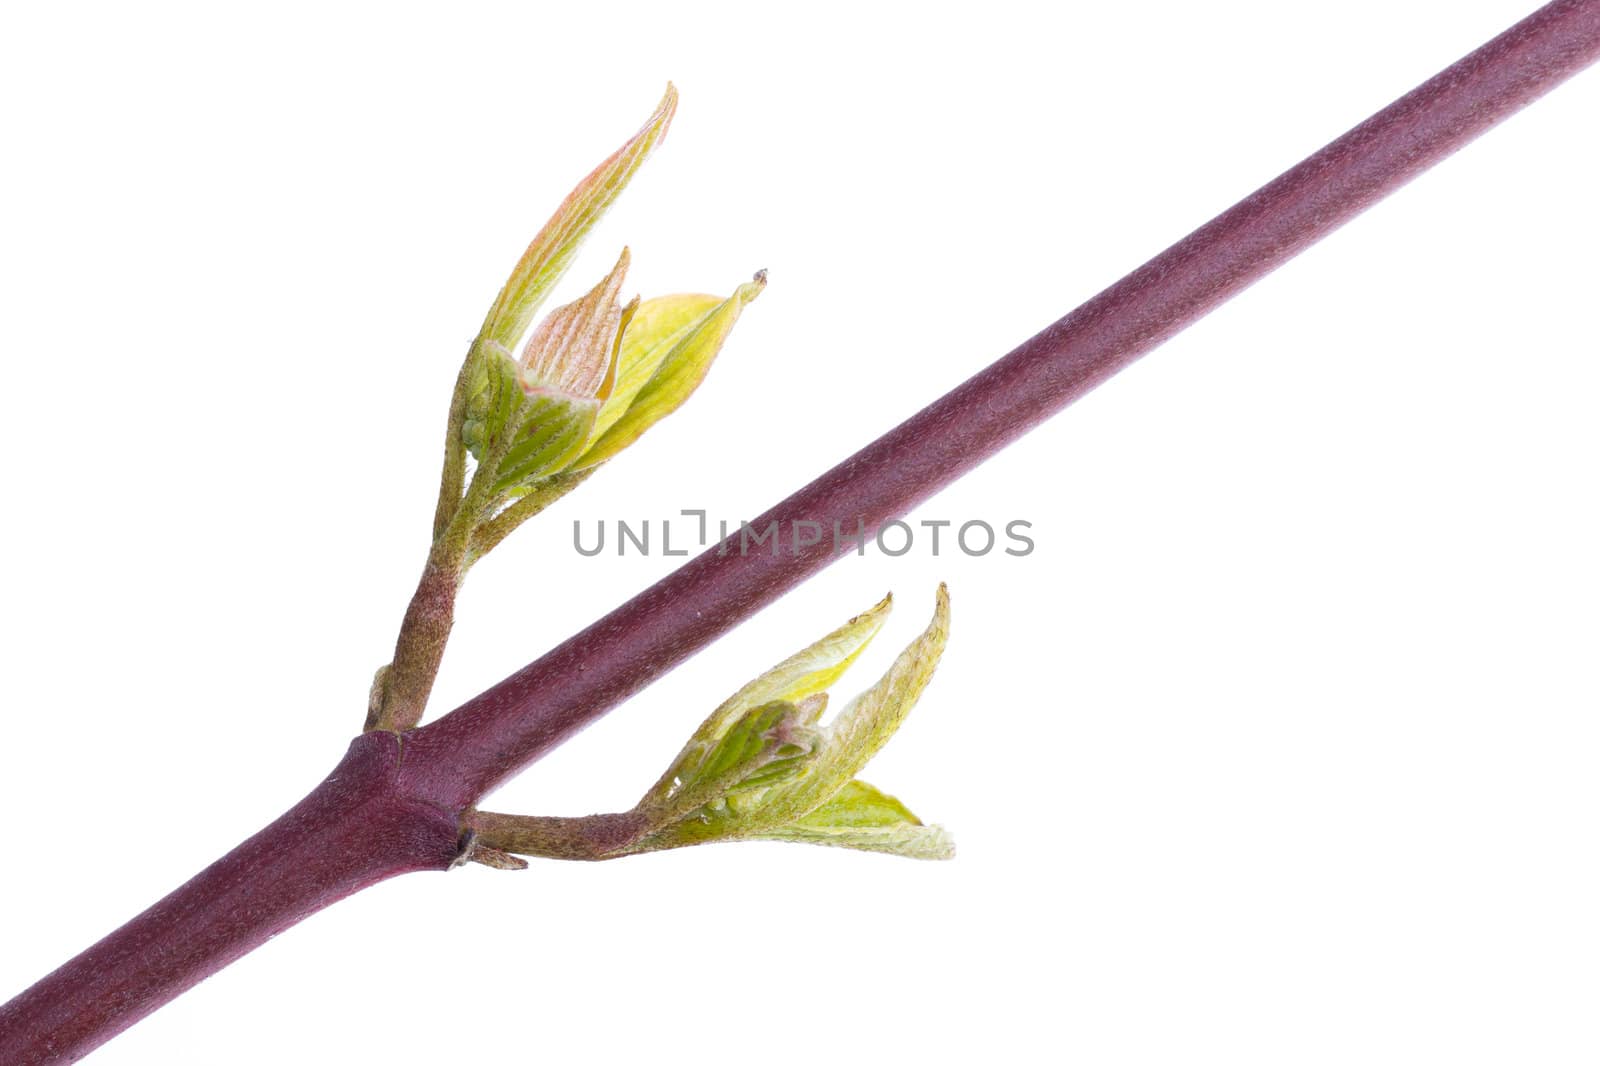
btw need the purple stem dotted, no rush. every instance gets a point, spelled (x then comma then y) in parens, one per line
(353, 830)
(378, 815)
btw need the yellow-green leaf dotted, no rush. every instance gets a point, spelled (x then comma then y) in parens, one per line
(656, 327)
(866, 723)
(800, 679)
(551, 252)
(676, 345)
(765, 745)
(859, 816)
(807, 672)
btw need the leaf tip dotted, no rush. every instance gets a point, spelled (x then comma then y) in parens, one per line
(940, 845)
(668, 106)
(752, 288)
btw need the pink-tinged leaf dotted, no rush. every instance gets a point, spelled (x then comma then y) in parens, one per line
(574, 350)
(551, 252)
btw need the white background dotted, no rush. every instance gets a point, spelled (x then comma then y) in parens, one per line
(1280, 747)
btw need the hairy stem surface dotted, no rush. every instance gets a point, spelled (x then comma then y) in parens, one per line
(419, 649)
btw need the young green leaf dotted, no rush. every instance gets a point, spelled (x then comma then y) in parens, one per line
(806, 673)
(865, 725)
(493, 384)
(551, 430)
(861, 817)
(551, 252)
(764, 745)
(673, 346)
(657, 326)
(771, 806)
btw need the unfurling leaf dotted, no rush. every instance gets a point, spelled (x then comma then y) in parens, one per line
(666, 351)
(545, 404)
(551, 252)
(826, 772)
(805, 674)
(574, 350)
(763, 745)
(656, 326)
(861, 817)
(865, 725)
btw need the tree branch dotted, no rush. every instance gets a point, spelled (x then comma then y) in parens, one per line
(379, 815)
(349, 833)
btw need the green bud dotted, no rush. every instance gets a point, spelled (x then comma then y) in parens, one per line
(593, 376)
(588, 380)
(817, 799)
(764, 767)
(540, 409)
(531, 417)
(798, 679)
